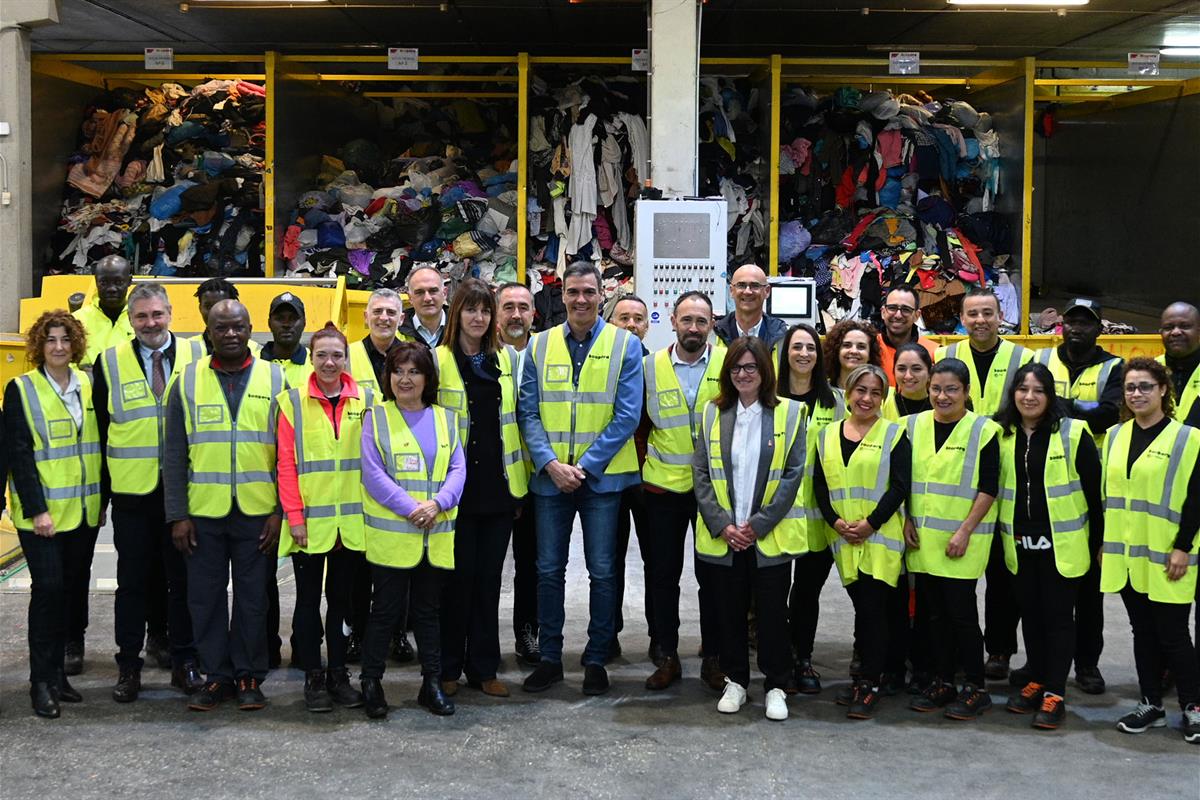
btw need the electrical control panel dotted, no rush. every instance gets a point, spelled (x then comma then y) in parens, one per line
(680, 247)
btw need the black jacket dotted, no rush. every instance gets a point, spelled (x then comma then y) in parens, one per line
(773, 329)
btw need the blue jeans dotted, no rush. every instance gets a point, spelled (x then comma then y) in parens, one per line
(555, 516)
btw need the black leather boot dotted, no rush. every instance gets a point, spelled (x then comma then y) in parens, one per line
(373, 700)
(433, 698)
(45, 704)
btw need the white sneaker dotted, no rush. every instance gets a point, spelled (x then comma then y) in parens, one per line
(777, 705)
(733, 698)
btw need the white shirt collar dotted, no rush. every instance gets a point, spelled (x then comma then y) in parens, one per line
(441, 324)
(754, 408)
(703, 359)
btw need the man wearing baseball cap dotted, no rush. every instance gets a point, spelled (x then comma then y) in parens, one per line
(286, 321)
(1088, 382)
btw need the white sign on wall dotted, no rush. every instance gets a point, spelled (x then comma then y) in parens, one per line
(402, 58)
(904, 63)
(159, 58)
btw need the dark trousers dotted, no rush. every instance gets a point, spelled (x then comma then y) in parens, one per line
(417, 590)
(360, 598)
(524, 551)
(79, 581)
(144, 550)
(1161, 639)
(229, 647)
(953, 626)
(470, 615)
(331, 574)
(663, 545)
(1048, 602)
(899, 627)
(274, 643)
(804, 602)
(920, 642)
(1000, 610)
(742, 581)
(1089, 619)
(54, 564)
(870, 598)
(708, 592)
(633, 514)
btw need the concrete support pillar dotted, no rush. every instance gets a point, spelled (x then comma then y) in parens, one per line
(674, 95)
(16, 218)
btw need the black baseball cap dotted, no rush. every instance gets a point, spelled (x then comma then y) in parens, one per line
(1087, 304)
(287, 299)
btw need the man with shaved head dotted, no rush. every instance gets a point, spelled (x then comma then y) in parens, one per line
(1180, 330)
(221, 502)
(106, 319)
(748, 289)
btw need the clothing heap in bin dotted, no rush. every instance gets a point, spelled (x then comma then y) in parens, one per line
(589, 157)
(878, 190)
(449, 199)
(733, 162)
(170, 178)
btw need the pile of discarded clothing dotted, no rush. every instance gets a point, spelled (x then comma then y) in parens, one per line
(171, 179)
(589, 157)
(878, 190)
(448, 199)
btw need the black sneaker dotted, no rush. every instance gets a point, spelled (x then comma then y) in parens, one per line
(316, 696)
(337, 683)
(158, 650)
(996, 668)
(936, 695)
(1028, 700)
(129, 684)
(353, 649)
(73, 658)
(543, 677)
(1051, 715)
(249, 696)
(402, 651)
(1191, 724)
(1018, 677)
(526, 648)
(595, 679)
(1089, 680)
(211, 696)
(808, 680)
(866, 697)
(1143, 718)
(970, 703)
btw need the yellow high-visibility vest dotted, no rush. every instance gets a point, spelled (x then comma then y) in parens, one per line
(1087, 386)
(102, 332)
(806, 499)
(1009, 358)
(1191, 392)
(675, 425)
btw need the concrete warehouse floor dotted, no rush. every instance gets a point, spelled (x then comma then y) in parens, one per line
(629, 743)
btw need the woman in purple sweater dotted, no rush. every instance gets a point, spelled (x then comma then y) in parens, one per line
(413, 473)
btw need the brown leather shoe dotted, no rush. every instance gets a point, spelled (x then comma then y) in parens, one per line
(669, 672)
(711, 674)
(492, 687)
(449, 688)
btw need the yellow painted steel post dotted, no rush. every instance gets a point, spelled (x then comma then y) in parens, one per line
(773, 202)
(1027, 200)
(522, 163)
(269, 170)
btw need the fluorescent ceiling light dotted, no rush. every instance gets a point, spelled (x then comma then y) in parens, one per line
(1006, 3)
(1180, 51)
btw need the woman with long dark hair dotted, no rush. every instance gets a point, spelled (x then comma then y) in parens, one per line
(912, 367)
(1051, 517)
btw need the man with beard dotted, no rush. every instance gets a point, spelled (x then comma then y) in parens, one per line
(679, 381)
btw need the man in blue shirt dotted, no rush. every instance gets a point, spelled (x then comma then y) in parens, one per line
(579, 467)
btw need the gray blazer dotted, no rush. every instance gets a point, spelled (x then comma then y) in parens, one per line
(763, 519)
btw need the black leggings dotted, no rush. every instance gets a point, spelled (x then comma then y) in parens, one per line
(1047, 602)
(804, 600)
(390, 594)
(311, 578)
(870, 598)
(953, 626)
(1160, 639)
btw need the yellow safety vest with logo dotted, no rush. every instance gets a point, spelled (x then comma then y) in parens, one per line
(1009, 358)
(1088, 385)
(944, 486)
(452, 394)
(1142, 511)
(102, 332)
(230, 456)
(675, 425)
(295, 375)
(393, 541)
(135, 430)
(361, 369)
(328, 471)
(785, 539)
(1064, 500)
(67, 456)
(855, 489)
(805, 508)
(1191, 392)
(575, 416)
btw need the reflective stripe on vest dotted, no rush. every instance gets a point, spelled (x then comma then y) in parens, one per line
(361, 369)
(452, 394)
(67, 456)
(805, 508)
(1065, 500)
(230, 456)
(785, 539)
(880, 556)
(1142, 512)
(328, 471)
(1191, 392)
(1009, 358)
(945, 484)
(573, 416)
(675, 424)
(1088, 384)
(391, 540)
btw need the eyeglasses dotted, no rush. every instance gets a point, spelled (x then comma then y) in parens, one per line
(1140, 388)
(906, 311)
(749, 369)
(745, 286)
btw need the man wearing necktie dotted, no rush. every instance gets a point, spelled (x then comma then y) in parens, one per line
(129, 392)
